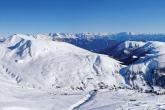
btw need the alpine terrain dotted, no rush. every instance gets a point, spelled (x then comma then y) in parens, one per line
(82, 71)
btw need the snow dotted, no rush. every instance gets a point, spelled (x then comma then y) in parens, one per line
(83, 101)
(125, 100)
(45, 72)
(14, 97)
(60, 66)
(142, 72)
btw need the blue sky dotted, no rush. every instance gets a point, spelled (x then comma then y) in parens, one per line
(44, 16)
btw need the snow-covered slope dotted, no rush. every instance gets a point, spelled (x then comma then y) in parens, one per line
(56, 59)
(45, 64)
(149, 70)
(37, 71)
(143, 53)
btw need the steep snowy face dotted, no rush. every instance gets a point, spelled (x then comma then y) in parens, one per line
(149, 70)
(56, 65)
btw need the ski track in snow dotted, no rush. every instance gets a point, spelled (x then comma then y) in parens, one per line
(90, 96)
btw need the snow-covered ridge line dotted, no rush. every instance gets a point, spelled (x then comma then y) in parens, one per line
(112, 36)
(119, 36)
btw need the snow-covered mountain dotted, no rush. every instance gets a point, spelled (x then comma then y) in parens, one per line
(123, 36)
(58, 62)
(80, 71)
(46, 64)
(149, 68)
(143, 53)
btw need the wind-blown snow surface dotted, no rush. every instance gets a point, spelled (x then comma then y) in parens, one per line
(43, 72)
